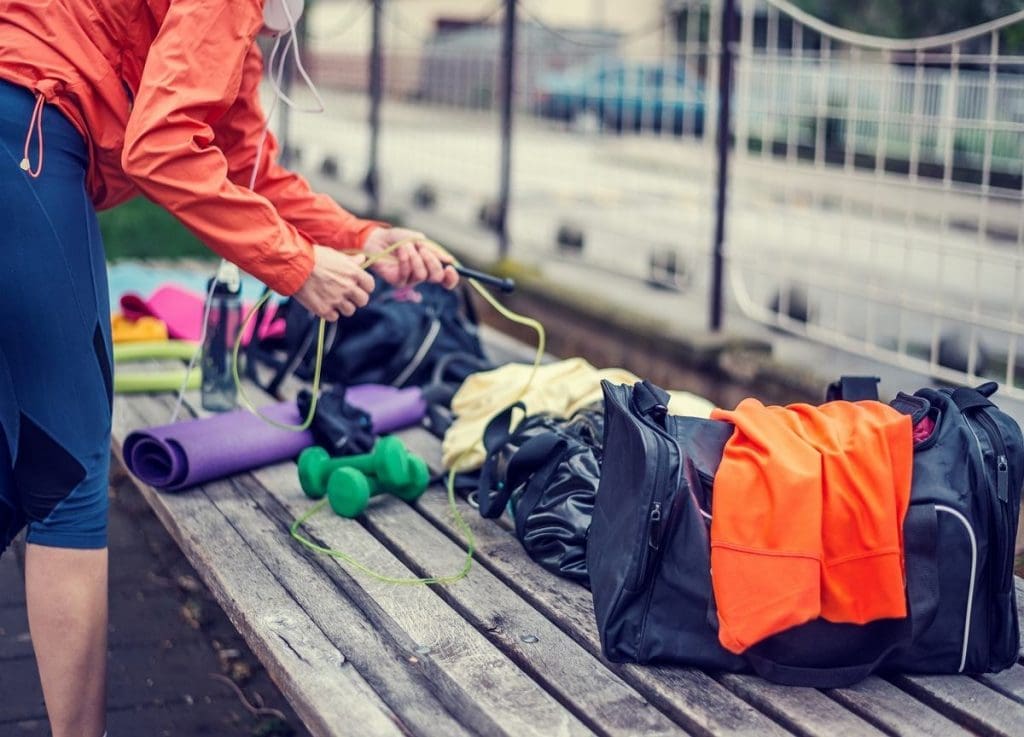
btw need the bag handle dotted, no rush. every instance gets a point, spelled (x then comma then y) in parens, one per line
(497, 432)
(853, 389)
(920, 534)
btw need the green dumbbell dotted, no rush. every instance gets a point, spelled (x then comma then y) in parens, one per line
(349, 490)
(388, 461)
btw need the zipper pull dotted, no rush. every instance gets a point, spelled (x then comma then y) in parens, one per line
(654, 527)
(1002, 478)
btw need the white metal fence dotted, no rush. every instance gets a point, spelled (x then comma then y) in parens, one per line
(876, 192)
(874, 189)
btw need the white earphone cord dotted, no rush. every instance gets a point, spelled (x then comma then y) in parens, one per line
(275, 83)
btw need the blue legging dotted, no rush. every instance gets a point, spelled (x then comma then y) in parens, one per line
(55, 367)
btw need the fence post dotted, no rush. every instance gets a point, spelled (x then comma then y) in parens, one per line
(508, 66)
(371, 184)
(725, 73)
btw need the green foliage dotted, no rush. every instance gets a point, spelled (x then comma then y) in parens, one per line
(910, 18)
(140, 229)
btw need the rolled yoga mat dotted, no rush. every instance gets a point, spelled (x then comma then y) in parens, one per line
(389, 408)
(176, 456)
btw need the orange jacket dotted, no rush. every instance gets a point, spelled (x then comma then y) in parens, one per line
(807, 517)
(165, 93)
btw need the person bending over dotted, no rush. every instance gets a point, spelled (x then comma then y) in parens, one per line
(101, 100)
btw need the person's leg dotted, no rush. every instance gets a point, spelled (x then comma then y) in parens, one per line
(55, 400)
(67, 607)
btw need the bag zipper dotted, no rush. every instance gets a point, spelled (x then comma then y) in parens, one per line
(1001, 573)
(656, 523)
(1002, 497)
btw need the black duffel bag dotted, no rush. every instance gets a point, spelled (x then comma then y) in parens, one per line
(648, 552)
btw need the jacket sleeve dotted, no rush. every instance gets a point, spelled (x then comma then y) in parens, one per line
(192, 77)
(238, 133)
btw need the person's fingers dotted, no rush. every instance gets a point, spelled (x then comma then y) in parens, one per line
(345, 307)
(359, 297)
(364, 281)
(435, 271)
(419, 268)
(450, 278)
(330, 315)
(404, 266)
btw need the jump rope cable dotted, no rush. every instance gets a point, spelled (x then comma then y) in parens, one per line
(460, 522)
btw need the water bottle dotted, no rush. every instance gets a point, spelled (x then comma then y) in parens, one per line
(222, 325)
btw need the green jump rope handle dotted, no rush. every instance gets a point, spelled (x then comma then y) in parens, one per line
(349, 490)
(388, 461)
(164, 380)
(126, 382)
(156, 349)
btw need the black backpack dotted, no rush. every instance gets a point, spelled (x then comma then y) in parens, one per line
(649, 558)
(392, 340)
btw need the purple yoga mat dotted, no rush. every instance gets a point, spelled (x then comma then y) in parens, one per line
(182, 454)
(389, 408)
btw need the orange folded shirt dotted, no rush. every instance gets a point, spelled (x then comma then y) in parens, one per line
(124, 330)
(807, 517)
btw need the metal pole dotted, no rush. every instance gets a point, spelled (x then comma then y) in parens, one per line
(725, 72)
(508, 59)
(371, 184)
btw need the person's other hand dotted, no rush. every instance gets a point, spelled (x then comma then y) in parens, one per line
(413, 262)
(338, 284)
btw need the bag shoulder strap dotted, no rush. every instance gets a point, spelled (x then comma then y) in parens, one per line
(853, 389)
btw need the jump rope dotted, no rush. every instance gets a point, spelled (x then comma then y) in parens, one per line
(230, 272)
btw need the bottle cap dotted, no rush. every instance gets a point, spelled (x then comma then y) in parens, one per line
(227, 281)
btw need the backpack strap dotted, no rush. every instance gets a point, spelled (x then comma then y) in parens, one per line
(967, 399)
(496, 434)
(853, 389)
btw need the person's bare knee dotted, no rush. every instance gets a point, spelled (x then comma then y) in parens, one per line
(66, 591)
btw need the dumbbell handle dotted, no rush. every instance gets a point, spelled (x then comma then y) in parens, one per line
(388, 460)
(349, 490)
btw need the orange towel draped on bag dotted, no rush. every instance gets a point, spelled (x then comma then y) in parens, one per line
(807, 517)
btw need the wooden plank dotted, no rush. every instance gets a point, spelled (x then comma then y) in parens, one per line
(689, 696)
(596, 696)
(328, 694)
(806, 711)
(967, 702)
(1010, 682)
(386, 667)
(895, 711)
(388, 671)
(472, 677)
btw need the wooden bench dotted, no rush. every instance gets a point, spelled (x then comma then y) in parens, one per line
(510, 650)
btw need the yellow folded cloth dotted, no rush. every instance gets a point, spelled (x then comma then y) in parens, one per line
(559, 388)
(146, 329)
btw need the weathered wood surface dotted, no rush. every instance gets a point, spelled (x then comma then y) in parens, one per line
(326, 691)
(511, 650)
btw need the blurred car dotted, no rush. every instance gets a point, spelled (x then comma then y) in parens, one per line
(624, 95)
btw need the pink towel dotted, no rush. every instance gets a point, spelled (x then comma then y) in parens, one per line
(182, 311)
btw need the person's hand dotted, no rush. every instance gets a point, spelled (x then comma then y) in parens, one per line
(413, 262)
(338, 284)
